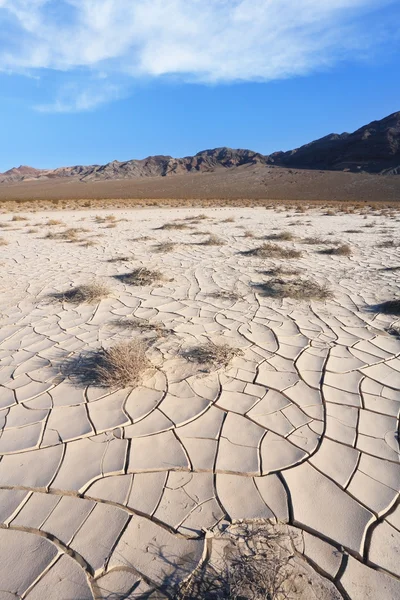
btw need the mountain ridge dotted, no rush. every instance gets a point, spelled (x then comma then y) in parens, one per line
(373, 148)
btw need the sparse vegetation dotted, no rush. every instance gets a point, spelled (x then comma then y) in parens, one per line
(216, 355)
(52, 222)
(165, 247)
(170, 226)
(19, 218)
(298, 289)
(341, 250)
(118, 259)
(3, 242)
(269, 250)
(388, 244)
(313, 240)
(119, 366)
(224, 295)
(257, 564)
(140, 276)
(275, 271)
(212, 240)
(283, 236)
(89, 293)
(142, 325)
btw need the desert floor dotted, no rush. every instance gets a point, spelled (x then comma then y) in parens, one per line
(113, 492)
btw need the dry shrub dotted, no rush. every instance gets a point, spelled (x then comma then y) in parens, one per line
(105, 219)
(32, 230)
(18, 218)
(298, 289)
(165, 247)
(342, 250)
(228, 220)
(4, 225)
(88, 244)
(90, 293)
(257, 563)
(269, 250)
(122, 364)
(3, 242)
(283, 236)
(275, 271)
(52, 222)
(118, 259)
(212, 240)
(216, 355)
(169, 226)
(110, 226)
(119, 366)
(140, 276)
(224, 295)
(313, 240)
(142, 325)
(248, 234)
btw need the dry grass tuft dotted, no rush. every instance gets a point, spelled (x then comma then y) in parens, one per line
(32, 230)
(170, 226)
(90, 293)
(4, 225)
(165, 247)
(283, 236)
(119, 366)
(269, 250)
(140, 276)
(52, 222)
(142, 325)
(3, 242)
(298, 289)
(122, 364)
(212, 240)
(118, 259)
(224, 295)
(313, 240)
(342, 250)
(228, 220)
(216, 355)
(275, 271)
(105, 219)
(18, 218)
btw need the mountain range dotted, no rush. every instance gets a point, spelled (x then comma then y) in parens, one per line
(374, 148)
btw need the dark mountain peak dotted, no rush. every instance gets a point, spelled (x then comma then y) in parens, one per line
(373, 148)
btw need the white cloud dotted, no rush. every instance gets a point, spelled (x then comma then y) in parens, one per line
(77, 98)
(196, 40)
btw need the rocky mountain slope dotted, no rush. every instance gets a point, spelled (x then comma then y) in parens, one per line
(374, 148)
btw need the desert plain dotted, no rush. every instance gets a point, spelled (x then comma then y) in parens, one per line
(266, 394)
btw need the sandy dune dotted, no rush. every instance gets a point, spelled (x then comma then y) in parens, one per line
(105, 491)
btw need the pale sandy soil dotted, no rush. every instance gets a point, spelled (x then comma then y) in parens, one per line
(107, 493)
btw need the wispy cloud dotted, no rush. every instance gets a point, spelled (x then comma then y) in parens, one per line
(77, 98)
(208, 41)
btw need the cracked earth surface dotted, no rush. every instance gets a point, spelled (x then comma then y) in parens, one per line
(107, 493)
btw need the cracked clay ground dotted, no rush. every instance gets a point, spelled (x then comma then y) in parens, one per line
(107, 493)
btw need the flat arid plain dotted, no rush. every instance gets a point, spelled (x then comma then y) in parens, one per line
(200, 401)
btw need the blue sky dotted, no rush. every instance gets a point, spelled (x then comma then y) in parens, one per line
(89, 81)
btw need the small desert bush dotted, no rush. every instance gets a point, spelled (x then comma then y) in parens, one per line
(228, 220)
(224, 295)
(275, 271)
(142, 325)
(105, 219)
(140, 276)
(119, 366)
(298, 289)
(216, 355)
(169, 226)
(283, 236)
(4, 225)
(32, 230)
(342, 250)
(90, 293)
(165, 247)
(212, 240)
(52, 222)
(118, 259)
(122, 364)
(3, 242)
(269, 250)
(18, 218)
(313, 240)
